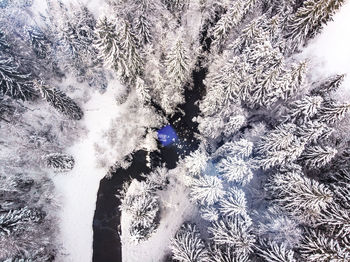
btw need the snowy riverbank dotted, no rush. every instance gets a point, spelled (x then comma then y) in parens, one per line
(78, 188)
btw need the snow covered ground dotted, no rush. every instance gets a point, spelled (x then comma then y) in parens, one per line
(78, 188)
(176, 208)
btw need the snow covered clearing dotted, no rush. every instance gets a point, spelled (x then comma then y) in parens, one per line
(78, 188)
(176, 208)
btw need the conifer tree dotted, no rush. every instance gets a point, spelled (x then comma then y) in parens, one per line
(310, 18)
(318, 156)
(235, 169)
(158, 179)
(177, 65)
(227, 254)
(196, 162)
(143, 208)
(59, 162)
(15, 220)
(78, 32)
(234, 203)
(230, 19)
(234, 232)
(142, 90)
(107, 43)
(60, 101)
(187, 246)
(234, 15)
(300, 196)
(233, 124)
(241, 148)
(132, 64)
(342, 187)
(139, 232)
(311, 131)
(207, 189)
(209, 213)
(295, 78)
(273, 252)
(143, 28)
(305, 109)
(318, 247)
(211, 127)
(251, 33)
(331, 112)
(40, 44)
(279, 147)
(265, 80)
(13, 82)
(338, 219)
(223, 84)
(329, 85)
(278, 226)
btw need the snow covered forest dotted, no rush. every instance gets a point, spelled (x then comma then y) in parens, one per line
(256, 93)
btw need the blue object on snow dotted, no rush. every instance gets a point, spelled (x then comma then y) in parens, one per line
(167, 135)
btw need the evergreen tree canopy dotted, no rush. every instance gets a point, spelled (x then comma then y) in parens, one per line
(13, 82)
(60, 101)
(309, 19)
(187, 245)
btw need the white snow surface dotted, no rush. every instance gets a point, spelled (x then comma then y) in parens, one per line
(175, 209)
(329, 52)
(78, 188)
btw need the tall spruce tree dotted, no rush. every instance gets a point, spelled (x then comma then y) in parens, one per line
(40, 43)
(13, 82)
(300, 196)
(177, 65)
(132, 66)
(187, 246)
(316, 246)
(15, 220)
(108, 43)
(60, 101)
(233, 16)
(328, 85)
(309, 20)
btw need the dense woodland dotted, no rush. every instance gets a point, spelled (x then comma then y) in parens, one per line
(271, 176)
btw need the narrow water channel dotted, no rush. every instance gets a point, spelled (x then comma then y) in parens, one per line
(106, 224)
(106, 245)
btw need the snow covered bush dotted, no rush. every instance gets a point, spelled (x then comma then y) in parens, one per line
(157, 179)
